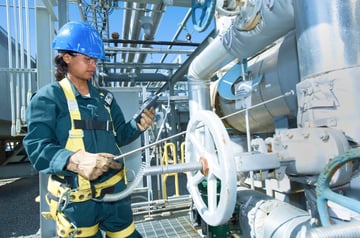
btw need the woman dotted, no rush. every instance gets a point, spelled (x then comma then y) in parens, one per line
(74, 131)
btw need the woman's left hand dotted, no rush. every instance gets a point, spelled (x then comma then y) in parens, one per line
(147, 119)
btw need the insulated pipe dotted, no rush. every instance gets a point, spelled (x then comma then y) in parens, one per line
(263, 216)
(276, 21)
(344, 230)
(202, 67)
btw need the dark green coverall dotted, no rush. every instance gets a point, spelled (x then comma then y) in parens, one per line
(48, 121)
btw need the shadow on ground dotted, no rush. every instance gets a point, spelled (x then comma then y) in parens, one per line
(19, 211)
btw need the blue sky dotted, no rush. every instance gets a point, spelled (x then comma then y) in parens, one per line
(168, 26)
(171, 20)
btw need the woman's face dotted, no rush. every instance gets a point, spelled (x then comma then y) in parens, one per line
(80, 66)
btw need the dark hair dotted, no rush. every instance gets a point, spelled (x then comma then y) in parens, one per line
(61, 67)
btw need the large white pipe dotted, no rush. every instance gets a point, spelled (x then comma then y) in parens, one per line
(275, 21)
(203, 66)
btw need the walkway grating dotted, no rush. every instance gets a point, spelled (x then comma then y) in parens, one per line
(170, 227)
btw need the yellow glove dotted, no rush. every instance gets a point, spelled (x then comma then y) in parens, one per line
(91, 166)
(147, 119)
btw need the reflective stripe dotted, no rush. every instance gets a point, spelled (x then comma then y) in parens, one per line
(65, 229)
(75, 140)
(123, 233)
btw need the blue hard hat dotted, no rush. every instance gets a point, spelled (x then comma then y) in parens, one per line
(79, 37)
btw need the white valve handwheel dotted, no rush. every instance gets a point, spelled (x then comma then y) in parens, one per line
(207, 138)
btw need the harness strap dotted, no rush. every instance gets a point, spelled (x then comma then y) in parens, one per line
(66, 229)
(75, 140)
(93, 125)
(57, 189)
(63, 227)
(123, 233)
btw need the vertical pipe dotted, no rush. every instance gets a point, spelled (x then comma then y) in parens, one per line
(63, 12)
(249, 145)
(28, 51)
(202, 67)
(247, 124)
(147, 157)
(17, 79)
(22, 65)
(11, 73)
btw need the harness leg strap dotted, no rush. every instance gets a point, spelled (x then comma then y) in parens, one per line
(123, 233)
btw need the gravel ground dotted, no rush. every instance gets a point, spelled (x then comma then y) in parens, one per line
(20, 214)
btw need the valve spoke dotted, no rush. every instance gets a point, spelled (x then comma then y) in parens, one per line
(197, 178)
(199, 148)
(214, 167)
(211, 189)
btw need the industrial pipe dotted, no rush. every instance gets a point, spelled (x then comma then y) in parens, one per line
(263, 216)
(172, 168)
(11, 76)
(276, 21)
(152, 170)
(343, 230)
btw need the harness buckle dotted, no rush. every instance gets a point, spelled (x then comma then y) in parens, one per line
(76, 133)
(75, 231)
(108, 125)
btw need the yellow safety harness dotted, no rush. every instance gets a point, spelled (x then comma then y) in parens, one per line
(60, 195)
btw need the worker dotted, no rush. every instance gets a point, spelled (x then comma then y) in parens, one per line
(74, 131)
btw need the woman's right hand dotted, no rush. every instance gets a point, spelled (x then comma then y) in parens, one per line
(90, 165)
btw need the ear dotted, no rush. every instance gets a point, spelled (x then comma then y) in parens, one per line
(67, 58)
